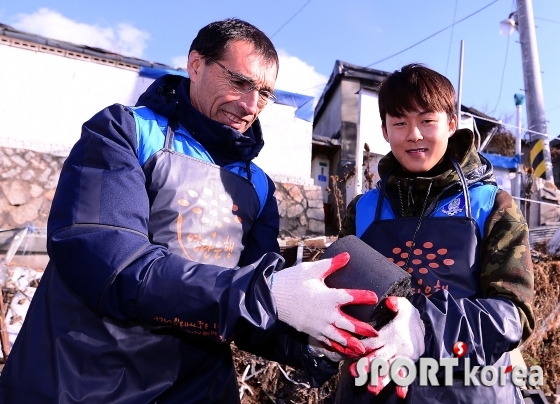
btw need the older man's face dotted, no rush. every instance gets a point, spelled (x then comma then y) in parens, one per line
(212, 94)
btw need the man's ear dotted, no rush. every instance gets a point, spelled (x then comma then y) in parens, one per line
(194, 63)
(385, 134)
(453, 125)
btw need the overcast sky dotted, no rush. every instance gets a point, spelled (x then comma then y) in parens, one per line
(312, 34)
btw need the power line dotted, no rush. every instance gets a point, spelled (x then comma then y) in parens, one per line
(546, 19)
(423, 39)
(502, 81)
(434, 34)
(451, 39)
(318, 85)
(503, 123)
(291, 18)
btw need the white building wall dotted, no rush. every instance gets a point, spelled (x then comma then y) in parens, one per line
(47, 97)
(286, 156)
(370, 132)
(370, 124)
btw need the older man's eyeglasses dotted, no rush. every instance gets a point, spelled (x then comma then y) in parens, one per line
(244, 86)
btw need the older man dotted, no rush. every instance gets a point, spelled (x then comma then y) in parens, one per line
(163, 245)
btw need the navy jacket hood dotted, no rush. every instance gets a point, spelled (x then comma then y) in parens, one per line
(169, 96)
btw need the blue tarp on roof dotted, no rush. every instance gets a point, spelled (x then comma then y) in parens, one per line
(302, 103)
(502, 161)
(155, 72)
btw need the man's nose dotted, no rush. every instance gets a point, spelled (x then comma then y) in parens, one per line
(414, 134)
(249, 102)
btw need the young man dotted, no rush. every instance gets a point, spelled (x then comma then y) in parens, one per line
(438, 213)
(163, 241)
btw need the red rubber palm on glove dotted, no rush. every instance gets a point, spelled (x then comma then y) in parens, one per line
(307, 304)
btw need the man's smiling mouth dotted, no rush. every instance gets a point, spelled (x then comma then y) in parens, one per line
(233, 118)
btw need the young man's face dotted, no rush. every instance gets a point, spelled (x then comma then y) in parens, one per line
(212, 94)
(419, 139)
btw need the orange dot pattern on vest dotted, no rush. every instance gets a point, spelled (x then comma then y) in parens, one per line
(427, 257)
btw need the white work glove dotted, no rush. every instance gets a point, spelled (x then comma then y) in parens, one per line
(307, 304)
(402, 337)
(318, 349)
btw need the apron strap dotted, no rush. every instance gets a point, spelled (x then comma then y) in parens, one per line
(172, 126)
(463, 180)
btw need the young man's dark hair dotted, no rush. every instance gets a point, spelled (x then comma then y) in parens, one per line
(213, 40)
(413, 88)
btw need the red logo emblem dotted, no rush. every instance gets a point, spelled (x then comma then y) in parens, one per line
(460, 349)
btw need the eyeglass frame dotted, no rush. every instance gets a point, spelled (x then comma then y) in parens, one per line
(271, 96)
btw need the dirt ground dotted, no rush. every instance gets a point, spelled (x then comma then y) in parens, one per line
(262, 381)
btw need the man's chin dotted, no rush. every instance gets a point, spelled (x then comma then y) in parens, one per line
(240, 128)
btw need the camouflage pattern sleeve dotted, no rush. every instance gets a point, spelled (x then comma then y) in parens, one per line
(348, 227)
(506, 266)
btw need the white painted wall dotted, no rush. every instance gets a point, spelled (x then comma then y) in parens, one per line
(320, 172)
(370, 124)
(286, 155)
(370, 132)
(45, 98)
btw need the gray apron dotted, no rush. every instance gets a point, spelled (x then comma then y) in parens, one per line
(198, 210)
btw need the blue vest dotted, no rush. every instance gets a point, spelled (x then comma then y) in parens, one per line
(482, 200)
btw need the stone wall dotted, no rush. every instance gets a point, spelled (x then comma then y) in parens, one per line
(301, 210)
(28, 180)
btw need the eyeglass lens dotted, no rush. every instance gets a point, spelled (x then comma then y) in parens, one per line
(244, 86)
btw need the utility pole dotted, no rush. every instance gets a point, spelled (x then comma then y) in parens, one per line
(536, 119)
